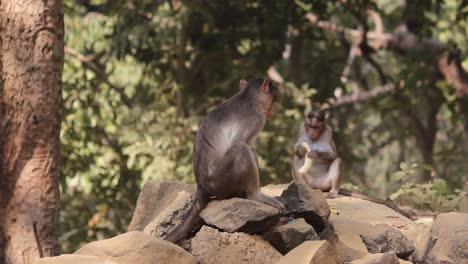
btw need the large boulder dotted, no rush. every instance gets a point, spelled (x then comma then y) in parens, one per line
(346, 238)
(286, 237)
(445, 242)
(170, 216)
(211, 246)
(155, 197)
(73, 259)
(311, 252)
(382, 238)
(379, 258)
(136, 247)
(305, 202)
(238, 214)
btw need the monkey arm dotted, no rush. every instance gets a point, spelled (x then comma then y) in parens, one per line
(299, 151)
(326, 156)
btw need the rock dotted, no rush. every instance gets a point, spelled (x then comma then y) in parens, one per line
(346, 239)
(373, 213)
(273, 190)
(136, 247)
(170, 216)
(238, 214)
(382, 238)
(286, 237)
(380, 258)
(402, 261)
(446, 241)
(73, 259)
(154, 198)
(311, 252)
(305, 202)
(212, 246)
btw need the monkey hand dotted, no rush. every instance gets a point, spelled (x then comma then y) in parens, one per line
(308, 161)
(301, 151)
(312, 154)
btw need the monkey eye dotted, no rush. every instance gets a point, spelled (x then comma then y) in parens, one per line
(313, 127)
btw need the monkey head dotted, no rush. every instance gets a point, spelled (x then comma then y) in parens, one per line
(315, 123)
(265, 92)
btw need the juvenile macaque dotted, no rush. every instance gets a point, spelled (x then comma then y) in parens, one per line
(326, 169)
(224, 163)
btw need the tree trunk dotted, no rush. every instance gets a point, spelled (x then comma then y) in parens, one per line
(31, 63)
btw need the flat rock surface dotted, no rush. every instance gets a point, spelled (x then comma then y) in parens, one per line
(311, 252)
(373, 213)
(238, 214)
(136, 247)
(73, 259)
(379, 258)
(210, 246)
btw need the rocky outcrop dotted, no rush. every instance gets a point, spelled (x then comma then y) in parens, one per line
(211, 246)
(155, 197)
(237, 214)
(382, 238)
(445, 242)
(305, 202)
(286, 237)
(245, 231)
(170, 216)
(136, 247)
(311, 252)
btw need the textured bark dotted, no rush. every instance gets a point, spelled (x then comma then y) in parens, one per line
(31, 62)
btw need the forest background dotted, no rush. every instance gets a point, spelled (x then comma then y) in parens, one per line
(140, 75)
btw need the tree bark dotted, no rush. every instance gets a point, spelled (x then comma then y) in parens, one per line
(31, 63)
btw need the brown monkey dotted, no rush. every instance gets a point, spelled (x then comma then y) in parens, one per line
(326, 171)
(224, 163)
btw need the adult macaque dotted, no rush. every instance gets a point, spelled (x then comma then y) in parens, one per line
(326, 171)
(224, 163)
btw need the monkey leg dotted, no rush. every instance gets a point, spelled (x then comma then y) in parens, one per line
(335, 173)
(236, 175)
(329, 181)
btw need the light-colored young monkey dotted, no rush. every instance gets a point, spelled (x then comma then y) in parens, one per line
(327, 168)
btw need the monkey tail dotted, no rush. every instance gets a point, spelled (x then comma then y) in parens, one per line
(179, 231)
(387, 203)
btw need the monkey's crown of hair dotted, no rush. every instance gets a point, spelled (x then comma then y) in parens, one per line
(319, 114)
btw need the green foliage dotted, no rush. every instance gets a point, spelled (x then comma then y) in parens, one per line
(434, 195)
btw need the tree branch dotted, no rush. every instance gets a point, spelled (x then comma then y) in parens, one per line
(448, 63)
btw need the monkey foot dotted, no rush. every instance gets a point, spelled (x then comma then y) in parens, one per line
(331, 195)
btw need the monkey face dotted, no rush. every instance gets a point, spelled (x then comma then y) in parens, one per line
(314, 128)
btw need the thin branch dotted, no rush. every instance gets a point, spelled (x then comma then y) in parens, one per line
(360, 97)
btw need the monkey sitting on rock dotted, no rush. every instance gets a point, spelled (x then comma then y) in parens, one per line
(224, 162)
(317, 163)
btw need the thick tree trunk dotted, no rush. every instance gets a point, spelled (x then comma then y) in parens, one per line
(31, 62)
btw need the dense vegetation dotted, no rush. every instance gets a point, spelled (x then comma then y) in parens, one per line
(140, 75)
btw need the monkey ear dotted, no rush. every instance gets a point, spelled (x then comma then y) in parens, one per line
(327, 115)
(265, 85)
(306, 114)
(243, 84)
